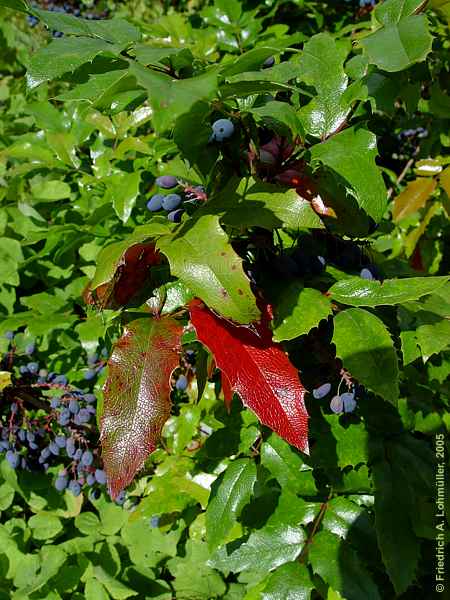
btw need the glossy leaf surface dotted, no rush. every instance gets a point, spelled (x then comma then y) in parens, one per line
(258, 370)
(137, 396)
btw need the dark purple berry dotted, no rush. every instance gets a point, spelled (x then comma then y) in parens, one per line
(167, 182)
(155, 203)
(175, 215)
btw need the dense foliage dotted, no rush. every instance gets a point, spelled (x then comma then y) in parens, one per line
(225, 251)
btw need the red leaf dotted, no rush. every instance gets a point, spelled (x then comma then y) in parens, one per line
(227, 392)
(258, 370)
(131, 274)
(137, 396)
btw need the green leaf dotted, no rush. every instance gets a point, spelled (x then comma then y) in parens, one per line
(291, 581)
(116, 589)
(122, 190)
(93, 590)
(6, 496)
(397, 541)
(287, 466)
(149, 545)
(49, 191)
(229, 494)
(116, 31)
(251, 203)
(20, 5)
(339, 566)
(321, 65)
(367, 351)
(280, 116)
(64, 55)
(298, 311)
(45, 526)
(193, 578)
(356, 291)
(279, 541)
(202, 257)
(351, 154)
(397, 45)
(170, 98)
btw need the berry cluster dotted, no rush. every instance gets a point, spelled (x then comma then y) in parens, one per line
(408, 142)
(96, 364)
(58, 436)
(340, 403)
(171, 202)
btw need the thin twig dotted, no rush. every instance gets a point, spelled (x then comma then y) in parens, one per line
(401, 177)
(317, 522)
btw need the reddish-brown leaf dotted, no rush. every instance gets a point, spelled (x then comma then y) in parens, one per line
(125, 277)
(137, 396)
(258, 370)
(227, 391)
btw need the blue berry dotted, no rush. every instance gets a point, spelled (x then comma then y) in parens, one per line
(222, 129)
(84, 416)
(30, 436)
(348, 401)
(92, 359)
(54, 448)
(90, 479)
(104, 353)
(64, 417)
(322, 391)
(89, 374)
(336, 404)
(75, 488)
(29, 349)
(155, 202)
(78, 454)
(167, 182)
(33, 446)
(269, 62)
(181, 383)
(100, 476)
(87, 458)
(13, 458)
(366, 274)
(33, 367)
(9, 335)
(70, 447)
(171, 201)
(74, 407)
(90, 398)
(154, 521)
(61, 483)
(60, 441)
(23, 370)
(175, 215)
(4, 445)
(121, 498)
(22, 434)
(55, 403)
(61, 379)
